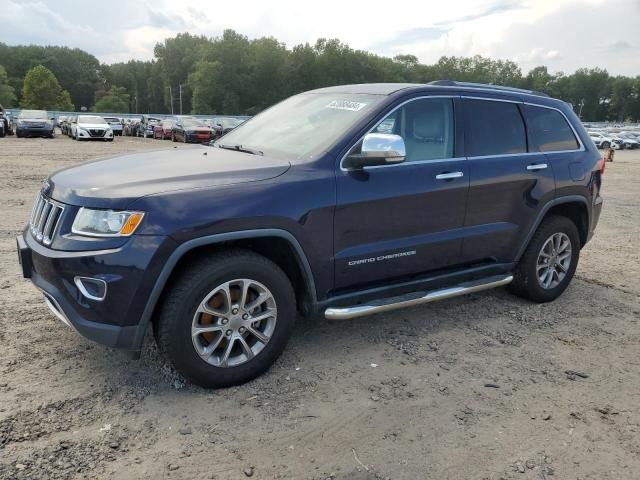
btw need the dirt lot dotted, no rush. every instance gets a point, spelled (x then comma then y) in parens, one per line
(474, 388)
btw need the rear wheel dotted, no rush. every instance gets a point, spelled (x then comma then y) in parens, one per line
(227, 318)
(549, 262)
(605, 145)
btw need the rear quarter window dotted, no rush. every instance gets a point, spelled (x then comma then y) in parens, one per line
(549, 130)
(495, 128)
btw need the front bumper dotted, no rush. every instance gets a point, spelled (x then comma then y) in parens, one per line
(28, 131)
(94, 134)
(129, 273)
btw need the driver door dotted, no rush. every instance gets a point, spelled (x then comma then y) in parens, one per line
(396, 221)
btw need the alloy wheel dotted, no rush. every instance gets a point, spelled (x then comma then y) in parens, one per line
(234, 323)
(554, 260)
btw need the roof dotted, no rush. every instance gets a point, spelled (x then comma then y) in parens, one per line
(390, 88)
(367, 88)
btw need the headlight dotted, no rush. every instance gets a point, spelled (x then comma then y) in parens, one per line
(106, 223)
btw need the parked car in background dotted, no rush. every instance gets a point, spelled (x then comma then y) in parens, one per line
(73, 124)
(163, 130)
(146, 126)
(602, 141)
(130, 128)
(115, 124)
(6, 123)
(93, 127)
(34, 123)
(625, 142)
(224, 125)
(191, 130)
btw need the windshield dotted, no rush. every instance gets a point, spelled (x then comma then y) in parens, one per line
(112, 120)
(90, 119)
(33, 114)
(303, 126)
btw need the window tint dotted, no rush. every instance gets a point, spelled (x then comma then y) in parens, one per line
(496, 128)
(549, 130)
(426, 125)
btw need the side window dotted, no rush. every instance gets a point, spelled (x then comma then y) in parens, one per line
(427, 127)
(495, 128)
(549, 130)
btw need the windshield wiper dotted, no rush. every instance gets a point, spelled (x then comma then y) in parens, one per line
(241, 148)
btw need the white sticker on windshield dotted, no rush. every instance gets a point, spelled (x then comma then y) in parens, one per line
(346, 105)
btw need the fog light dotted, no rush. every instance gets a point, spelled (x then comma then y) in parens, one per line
(91, 288)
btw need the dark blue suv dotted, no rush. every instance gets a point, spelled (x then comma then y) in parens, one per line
(347, 200)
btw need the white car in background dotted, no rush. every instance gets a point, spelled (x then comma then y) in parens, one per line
(629, 142)
(603, 141)
(91, 127)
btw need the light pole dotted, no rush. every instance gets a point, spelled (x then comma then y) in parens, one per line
(180, 85)
(171, 97)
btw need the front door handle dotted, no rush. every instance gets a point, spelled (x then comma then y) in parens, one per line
(537, 166)
(449, 175)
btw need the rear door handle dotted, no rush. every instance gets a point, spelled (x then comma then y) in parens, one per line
(449, 175)
(537, 166)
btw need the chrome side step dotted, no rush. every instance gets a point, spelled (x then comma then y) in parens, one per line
(417, 298)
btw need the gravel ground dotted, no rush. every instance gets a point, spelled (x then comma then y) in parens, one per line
(472, 388)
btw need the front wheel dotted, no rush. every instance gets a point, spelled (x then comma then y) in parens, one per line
(226, 319)
(549, 262)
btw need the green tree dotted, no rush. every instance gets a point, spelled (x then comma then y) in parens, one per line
(7, 92)
(42, 91)
(204, 83)
(116, 100)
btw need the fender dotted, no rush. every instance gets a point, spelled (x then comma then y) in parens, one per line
(543, 212)
(185, 247)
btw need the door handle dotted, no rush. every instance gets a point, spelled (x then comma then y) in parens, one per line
(537, 166)
(449, 175)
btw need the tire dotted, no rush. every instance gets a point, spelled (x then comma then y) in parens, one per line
(173, 327)
(605, 145)
(526, 282)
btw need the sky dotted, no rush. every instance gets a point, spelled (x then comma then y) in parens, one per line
(563, 34)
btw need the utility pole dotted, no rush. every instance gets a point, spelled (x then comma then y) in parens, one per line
(180, 85)
(171, 97)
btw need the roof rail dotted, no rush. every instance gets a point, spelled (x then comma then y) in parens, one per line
(452, 83)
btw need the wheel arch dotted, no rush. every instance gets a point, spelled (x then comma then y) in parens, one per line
(274, 244)
(574, 207)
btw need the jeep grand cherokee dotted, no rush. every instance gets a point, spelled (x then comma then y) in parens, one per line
(347, 200)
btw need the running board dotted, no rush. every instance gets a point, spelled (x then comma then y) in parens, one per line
(417, 298)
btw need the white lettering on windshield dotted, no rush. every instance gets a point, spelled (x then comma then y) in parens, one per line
(346, 105)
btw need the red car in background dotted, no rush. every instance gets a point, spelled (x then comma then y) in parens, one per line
(189, 130)
(164, 129)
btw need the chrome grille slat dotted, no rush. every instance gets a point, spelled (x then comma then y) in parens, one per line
(45, 217)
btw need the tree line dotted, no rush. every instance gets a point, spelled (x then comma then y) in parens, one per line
(233, 74)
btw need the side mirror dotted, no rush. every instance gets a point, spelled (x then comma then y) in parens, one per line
(378, 149)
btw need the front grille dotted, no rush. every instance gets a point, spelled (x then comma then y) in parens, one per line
(45, 218)
(96, 132)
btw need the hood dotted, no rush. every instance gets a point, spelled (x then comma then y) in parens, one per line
(117, 182)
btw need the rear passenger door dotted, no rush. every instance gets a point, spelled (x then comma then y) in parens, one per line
(508, 183)
(551, 133)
